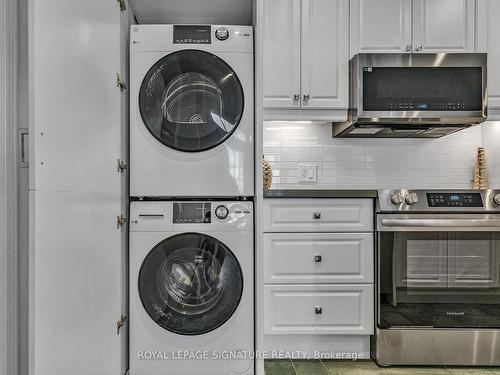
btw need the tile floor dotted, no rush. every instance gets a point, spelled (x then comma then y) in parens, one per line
(315, 367)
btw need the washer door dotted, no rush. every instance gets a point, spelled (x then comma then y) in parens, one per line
(190, 283)
(191, 100)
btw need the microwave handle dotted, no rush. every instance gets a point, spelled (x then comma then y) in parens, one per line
(439, 223)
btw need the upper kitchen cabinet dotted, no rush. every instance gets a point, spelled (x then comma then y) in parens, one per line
(281, 52)
(412, 26)
(443, 25)
(305, 56)
(488, 32)
(382, 26)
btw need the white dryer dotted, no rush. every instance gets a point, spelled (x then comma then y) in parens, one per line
(191, 288)
(191, 121)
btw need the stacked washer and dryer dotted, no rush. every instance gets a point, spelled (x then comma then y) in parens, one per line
(191, 210)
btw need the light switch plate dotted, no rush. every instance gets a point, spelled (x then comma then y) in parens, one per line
(308, 172)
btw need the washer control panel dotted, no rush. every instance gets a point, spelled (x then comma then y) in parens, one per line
(192, 213)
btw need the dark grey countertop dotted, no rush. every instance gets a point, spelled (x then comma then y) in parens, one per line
(319, 193)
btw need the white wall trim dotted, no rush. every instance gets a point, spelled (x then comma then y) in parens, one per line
(8, 187)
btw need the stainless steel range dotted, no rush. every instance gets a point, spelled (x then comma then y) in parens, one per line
(438, 285)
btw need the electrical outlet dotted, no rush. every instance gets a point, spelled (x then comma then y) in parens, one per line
(308, 172)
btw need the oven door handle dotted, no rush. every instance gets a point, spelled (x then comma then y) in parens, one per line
(442, 223)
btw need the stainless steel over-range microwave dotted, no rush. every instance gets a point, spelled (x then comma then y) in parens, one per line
(414, 95)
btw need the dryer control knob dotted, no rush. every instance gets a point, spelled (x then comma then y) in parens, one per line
(222, 33)
(496, 198)
(221, 212)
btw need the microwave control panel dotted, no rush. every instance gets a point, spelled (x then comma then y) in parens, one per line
(455, 200)
(438, 105)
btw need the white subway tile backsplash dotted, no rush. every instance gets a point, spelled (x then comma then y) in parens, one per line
(446, 162)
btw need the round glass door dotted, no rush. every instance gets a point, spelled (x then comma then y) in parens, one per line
(191, 100)
(190, 283)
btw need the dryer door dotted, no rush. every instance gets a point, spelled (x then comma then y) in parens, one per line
(190, 283)
(191, 100)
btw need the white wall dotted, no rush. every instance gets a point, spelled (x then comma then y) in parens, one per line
(491, 141)
(446, 162)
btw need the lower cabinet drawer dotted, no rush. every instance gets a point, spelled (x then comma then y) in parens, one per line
(317, 215)
(328, 258)
(318, 309)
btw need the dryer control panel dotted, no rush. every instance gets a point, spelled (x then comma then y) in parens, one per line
(191, 34)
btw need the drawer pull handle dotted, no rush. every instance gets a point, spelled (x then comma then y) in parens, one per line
(317, 215)
(318, 258)
(318, 310)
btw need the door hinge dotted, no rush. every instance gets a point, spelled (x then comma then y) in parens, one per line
(120, 323)
(122, 4)
(121, 166)
(120, 221)
(120, 83)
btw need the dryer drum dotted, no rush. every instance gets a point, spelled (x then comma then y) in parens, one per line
(191, 100)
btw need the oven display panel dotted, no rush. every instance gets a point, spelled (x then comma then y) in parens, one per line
(454, 200)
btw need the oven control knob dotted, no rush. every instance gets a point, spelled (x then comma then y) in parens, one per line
(221, 212)
(222, 33)
(397, 198)
(411, 198)
(496, 198)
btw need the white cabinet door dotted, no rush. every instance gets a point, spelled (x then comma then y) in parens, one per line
(325, 54)
(488, 12)
(318, 309)
(318, 258)
(76, 107)
(77, 253)
(76, 284)
(281, 54)
(381, 26)
(443, 25)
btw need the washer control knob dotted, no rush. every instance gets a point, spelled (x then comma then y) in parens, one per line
(411, 198)
(222, 33)
(221, 212)
(397, 198)
(496, 198)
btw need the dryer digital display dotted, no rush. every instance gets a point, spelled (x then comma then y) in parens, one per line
(188, 34)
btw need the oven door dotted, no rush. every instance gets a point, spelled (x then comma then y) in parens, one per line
(438, 271)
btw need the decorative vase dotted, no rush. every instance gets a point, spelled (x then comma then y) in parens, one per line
(267, 173)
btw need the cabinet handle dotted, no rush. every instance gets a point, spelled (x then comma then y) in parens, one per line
(296, 97)
(305, 98)
(419, 48)
(318, 310)
(317, 215)
(408, 48)
(318, 258)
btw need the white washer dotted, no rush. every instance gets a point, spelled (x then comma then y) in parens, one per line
(191, 288)
(191, 120)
